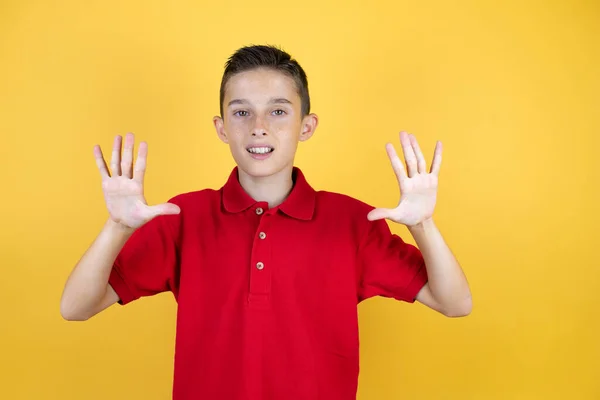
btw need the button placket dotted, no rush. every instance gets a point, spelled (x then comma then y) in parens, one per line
(260, 275)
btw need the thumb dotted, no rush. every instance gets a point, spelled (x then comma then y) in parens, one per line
(164, 209)
(378, 213)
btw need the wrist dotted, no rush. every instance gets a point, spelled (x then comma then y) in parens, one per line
(116, 229)
(422, 226)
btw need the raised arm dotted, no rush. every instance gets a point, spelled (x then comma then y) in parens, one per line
(87, 292)
(447, 290)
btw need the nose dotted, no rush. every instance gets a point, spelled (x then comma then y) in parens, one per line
(259, 128)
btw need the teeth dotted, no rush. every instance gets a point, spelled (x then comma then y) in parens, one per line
(260, 150)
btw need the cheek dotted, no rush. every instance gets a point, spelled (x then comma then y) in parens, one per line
(235, 130)
(287, 123)
(285, 128)
(231, 128)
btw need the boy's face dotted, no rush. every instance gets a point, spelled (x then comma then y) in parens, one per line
(262, 121)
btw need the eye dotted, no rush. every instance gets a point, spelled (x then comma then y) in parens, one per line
(279, 112)
(241, 113)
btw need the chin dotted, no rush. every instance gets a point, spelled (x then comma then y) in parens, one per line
(261, 168)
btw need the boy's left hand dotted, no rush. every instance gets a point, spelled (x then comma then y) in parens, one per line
(418, 189)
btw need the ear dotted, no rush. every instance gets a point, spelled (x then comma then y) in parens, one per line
(220, 128)
(309, 125)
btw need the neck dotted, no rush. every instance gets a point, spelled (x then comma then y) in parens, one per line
(273, 189)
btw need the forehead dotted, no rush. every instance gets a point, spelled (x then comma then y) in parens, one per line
(261, 84)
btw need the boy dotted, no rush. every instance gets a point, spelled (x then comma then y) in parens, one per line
(267, 272)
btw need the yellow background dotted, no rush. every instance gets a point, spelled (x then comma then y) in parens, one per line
(511, 88)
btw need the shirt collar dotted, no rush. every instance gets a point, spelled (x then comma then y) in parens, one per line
(300, 203)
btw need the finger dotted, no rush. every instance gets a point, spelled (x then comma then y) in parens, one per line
(379, 213)
(421, 163)
(409, 155)
(139, 170)
(127, 160)
(100, 162)
(115, 161)
(164, 209)
(396, 163)
(436, 164)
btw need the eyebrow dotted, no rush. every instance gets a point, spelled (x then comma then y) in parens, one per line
(277, 100)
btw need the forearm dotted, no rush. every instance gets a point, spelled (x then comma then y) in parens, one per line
(447, 282)
(87, 284)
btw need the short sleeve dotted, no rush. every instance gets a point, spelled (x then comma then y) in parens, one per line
(148, 263)
(388, 266)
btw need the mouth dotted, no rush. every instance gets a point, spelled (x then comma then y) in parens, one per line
(260, 150)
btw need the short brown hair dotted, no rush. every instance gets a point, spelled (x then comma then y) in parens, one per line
(261, 56)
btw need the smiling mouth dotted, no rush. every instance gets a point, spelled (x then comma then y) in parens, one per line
(260, 150)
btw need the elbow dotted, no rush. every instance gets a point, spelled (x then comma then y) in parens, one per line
(72, 316)
(70, 313)
(460, 309)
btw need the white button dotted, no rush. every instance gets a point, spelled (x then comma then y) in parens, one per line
(262, 235)
(259, 211)
(260, 265)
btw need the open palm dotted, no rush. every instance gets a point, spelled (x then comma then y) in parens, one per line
(418, 187)
(124, 189)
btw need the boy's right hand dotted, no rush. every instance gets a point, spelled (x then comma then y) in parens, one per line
(124, 188)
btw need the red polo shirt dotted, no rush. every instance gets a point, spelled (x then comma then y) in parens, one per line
(267, 298)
